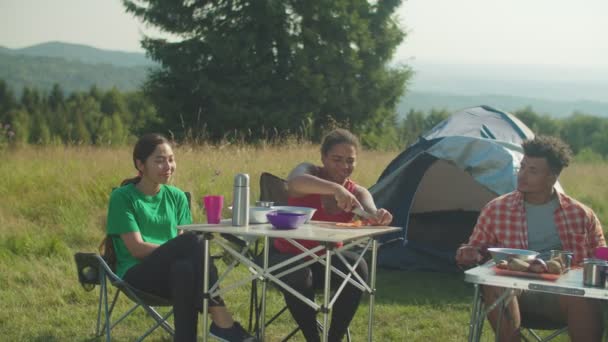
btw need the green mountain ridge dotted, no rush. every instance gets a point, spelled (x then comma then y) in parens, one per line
(77, 67)
(42, 73)
(82, 53)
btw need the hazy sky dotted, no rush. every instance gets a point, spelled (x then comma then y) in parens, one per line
(548, 32)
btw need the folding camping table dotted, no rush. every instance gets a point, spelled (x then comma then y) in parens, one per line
(570, 284)
(326, 233)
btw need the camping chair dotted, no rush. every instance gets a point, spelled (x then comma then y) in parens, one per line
(529, 323)
(93, 270)
(274, 189)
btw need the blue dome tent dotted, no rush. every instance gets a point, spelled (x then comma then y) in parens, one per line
(437, 186)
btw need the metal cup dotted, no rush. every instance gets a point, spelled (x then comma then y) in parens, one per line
(594, 272)
(565, 257)
(265, 204)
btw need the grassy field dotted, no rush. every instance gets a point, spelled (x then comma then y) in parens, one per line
(53, 202)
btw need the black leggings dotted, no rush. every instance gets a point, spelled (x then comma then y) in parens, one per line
(311, 278)
(175, 270)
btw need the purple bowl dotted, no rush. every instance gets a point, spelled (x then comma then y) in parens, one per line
(285, 219)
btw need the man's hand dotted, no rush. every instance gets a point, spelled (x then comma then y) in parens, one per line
(468, 255)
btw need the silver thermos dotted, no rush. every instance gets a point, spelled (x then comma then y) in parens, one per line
(240, 200)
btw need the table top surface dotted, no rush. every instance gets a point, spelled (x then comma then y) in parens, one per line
(570, 283)
(313, 230)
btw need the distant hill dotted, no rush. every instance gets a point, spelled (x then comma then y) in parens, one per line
(548, 89)
(425, 101)
(42, 72)
(82, 53)
(557, 91)
(549, 82)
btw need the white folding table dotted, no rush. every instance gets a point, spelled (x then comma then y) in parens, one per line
(326, 233)
(570, 284)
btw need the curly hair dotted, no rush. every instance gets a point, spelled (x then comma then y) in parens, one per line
(554, 150)
(336, 137)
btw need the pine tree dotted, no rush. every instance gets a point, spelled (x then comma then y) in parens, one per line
(8, 101)
(261, 64)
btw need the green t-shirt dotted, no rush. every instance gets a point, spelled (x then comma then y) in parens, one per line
(154, 217)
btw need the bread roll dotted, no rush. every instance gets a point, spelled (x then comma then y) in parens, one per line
(518, 265)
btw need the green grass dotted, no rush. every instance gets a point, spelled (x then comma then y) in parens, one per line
(53, 203)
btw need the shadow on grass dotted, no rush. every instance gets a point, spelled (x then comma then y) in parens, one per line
(416, 287)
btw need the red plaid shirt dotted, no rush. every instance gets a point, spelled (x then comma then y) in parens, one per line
(502, 223)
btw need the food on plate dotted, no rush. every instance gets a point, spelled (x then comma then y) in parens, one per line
(518, 265)
(538, 266)
(502, 264)
(554, 266)
(558, 260)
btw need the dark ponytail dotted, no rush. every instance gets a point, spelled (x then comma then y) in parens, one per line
(133, 180)
(143, 149)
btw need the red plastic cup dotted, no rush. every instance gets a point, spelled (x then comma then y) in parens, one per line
(601, 253)
(213, 207)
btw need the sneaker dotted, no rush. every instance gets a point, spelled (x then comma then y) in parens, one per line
(235, 333)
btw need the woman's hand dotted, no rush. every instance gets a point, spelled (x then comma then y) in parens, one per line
(345, 200)
(382, 218)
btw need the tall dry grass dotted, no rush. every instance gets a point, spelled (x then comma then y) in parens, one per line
(53, 200)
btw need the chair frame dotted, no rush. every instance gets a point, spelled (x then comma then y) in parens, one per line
(99, 274)
(529, 326)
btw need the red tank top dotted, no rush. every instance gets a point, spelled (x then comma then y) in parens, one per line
(314, 201)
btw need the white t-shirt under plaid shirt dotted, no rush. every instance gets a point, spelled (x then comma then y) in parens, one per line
(502, 223)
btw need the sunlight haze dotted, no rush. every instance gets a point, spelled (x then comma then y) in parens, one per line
(538, 32)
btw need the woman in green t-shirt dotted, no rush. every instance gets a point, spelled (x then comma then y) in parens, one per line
(151, 255)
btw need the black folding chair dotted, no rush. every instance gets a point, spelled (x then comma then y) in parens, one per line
(93, 270)
(530, 323)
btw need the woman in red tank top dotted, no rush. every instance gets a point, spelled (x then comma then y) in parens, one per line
(329, 189)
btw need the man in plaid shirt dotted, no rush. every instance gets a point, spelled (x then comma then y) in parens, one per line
(537, 217)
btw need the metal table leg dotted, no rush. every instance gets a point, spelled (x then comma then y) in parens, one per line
(262, 317)
(206, 288)
(475, 325)
(325, 308)
(372, 294)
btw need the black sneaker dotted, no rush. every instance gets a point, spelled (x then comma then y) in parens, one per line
(235, 333)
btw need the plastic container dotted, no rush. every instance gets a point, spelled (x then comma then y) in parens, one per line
(601, 253)
(213, 207)
(293, 209)
(286, 219)
(564, 256)
(258, 214)
(240, 200)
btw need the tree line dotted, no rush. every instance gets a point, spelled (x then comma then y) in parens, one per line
(110, 117)
(94, 117)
